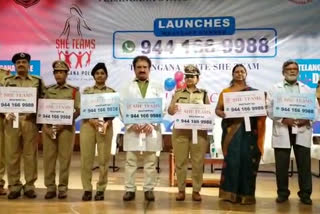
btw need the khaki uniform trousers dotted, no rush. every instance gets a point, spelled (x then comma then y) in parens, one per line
(60, 148)
(89, 137)
(19, 142)
(149, 168)
(2, 152)
(182, 147)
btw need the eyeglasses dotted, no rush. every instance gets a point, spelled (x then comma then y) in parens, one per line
(291, 69)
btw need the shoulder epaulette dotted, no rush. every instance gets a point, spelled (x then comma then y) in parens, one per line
(8, 77)
(86, 88)
(111, 89)
(50, 86)
(4, 70)
(203, 90)
(71, 86)
(37, 77)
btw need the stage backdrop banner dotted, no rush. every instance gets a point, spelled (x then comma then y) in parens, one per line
(212, 34)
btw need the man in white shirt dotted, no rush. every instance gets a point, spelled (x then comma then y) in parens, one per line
(295, 133)
(141, 87)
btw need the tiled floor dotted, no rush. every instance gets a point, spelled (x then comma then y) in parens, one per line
(165, 195)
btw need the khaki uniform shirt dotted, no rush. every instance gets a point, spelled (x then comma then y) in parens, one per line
(3, 74)
(96, 90)
(29, 81)
(66, 91)
(199, 96)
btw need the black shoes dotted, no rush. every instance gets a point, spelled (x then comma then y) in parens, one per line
(281, 199)
(307, 201)
(62, 194)
(14, 195)
(129, 196)
(30, 194)
(2, 190)
(50, 195)
(149, 196)
(87, 196)
(99, 196)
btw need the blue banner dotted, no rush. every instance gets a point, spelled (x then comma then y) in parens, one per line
(194, 26)
(309, 71)
(34, 66)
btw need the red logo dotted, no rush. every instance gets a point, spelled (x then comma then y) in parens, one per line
(27, 3)
(73, 46)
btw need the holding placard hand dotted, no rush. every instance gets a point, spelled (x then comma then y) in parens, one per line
(293, 107)
(97, 130)
(58, 133)
(186, 138)
(243, 128)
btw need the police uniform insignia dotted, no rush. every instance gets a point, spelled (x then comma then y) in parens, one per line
(60, 65)
(111, 89)
(21, 55)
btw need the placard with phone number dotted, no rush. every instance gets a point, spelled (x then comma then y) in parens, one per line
(194, 116)
(18, 100)
(140, 111)
(245, 43)
(55, 111)
(296, 106)
(244, 104)
(99, 105)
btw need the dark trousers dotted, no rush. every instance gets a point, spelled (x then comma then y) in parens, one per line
(303, 160)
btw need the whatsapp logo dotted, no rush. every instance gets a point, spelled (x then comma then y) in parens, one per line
(128, 46)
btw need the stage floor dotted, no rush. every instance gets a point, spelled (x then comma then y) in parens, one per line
(165, 196)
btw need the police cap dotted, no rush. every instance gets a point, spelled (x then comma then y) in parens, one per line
(21, 55)
(60, 65)
(99, 65)
(191, 70)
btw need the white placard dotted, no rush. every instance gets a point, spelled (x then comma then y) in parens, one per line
(194, 116)
(99, 105)
(294, 105)
(55, 111)
(244, 104)
(18, 99)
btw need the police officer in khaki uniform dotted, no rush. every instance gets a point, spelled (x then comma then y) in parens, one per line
(22, 141)
(182, 138)
(3, 73)
(58, 140)
(92, 132)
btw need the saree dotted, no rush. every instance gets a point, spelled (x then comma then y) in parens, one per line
(242, 153)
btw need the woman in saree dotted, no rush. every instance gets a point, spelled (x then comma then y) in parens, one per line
(242, 150)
